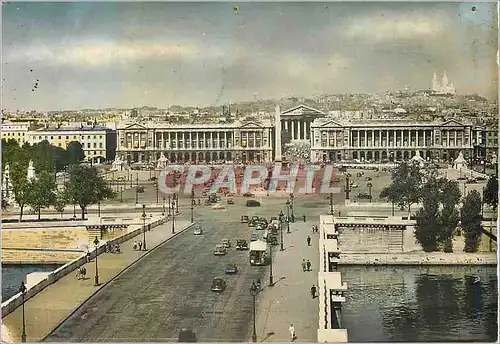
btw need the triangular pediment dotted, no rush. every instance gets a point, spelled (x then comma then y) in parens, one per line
(331, 124)
(452, 123)
(136, 126)
(303, 110)
(250, 124)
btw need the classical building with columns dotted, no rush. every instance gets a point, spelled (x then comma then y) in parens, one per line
(297, 121)
(389, 140)
(203, 142)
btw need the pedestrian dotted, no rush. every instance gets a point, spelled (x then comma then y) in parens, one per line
(304, 218)
(304, 265)
(88, 256)
(135, 245)
(308, 240)
(308, 263)
(313, 291)
(292, 332)
(140, 245)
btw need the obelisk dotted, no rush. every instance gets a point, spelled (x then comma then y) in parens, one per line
(277, 131)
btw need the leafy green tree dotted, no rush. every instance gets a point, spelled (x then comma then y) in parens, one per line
(18, 176)
(405, 188)
(449, 215)
(41, 192)
(491, 192)
(85, 186)
(470, 216)
(75, 152)
(60, 202)
(426, 228)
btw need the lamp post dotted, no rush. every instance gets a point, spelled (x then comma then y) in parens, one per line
(96, 278)
(177, 203)
(99, 209)
(136, 194)
(173, 218)
(192, 206)
(291, 208)
(137, 179)
(287, 216)
(347, 186)
(254, 291)
(169, 205)
(144, 227)
(121, 194)
(482, 204)
(163, 206)
(331, 204)
(157, 195)
(271, 281)
(74, 210)
(22, 290)
(370, 185)
(281, 229)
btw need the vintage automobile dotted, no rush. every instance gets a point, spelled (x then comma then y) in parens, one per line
(254, 237)
(241, 245)
(272, 240)
(198, 230)
(248, 194)
(252, 203)
(187, 336)
(260, 226)
(230, 201)
(252, 223)
(218, 206)
(244, 219)
(231, 269)
(220, 250)
(218, 284)
(363, 195)
(226, 243)
(273, 218)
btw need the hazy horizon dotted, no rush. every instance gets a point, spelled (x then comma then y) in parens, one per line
(127, 55)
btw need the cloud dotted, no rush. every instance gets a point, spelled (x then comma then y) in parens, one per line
(394, 27)
(97, 54)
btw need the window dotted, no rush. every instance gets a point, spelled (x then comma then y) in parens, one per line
(100, 144)
(59, 137)
(95, 145)
(67, 137)
(88, 145)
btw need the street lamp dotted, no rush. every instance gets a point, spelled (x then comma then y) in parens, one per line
(144, 227)
(121, 194)
(99, 209)
(482, 204)
(22, 290)
(331, 204)
(96, 278)
(347, 186)
(169, 205)
(281, 229)
(176, 203)
(291, 207)
(136, 194)
(173, 218)
(370, 185)
(163, 206)
(157, 196)
(271, 282)
(192, 206)
(287, 216)
(254, 291)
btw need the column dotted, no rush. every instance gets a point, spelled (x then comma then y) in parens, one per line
(293, 129)
(305, 129)
(387, 137)
(373, 138)
(286, 125)
(327, 139)
(335, 138)
(402, 138)
(455, 132)
(366, 137)
(447, 138)
(425, 142)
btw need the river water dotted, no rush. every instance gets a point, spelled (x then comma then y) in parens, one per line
(412, 304)
(13, 275)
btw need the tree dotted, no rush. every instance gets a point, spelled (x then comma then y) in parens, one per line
(470, 216)
(405, 188)
(41, 192)
(426, 228)
(75, 152)
(491, 192)
(85, 186)
(449, 215)
(60, 202)
(298, 151)
(18, 176)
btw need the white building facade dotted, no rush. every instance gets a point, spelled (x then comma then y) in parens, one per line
(211, 142)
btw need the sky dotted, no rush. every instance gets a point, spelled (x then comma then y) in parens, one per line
(125, 55)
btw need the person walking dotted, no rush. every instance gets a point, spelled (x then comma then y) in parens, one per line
(313, 291)
(140, 245)
(292, 332)
(304, 265)
(304, 218)
(308, 264)
(308, 240)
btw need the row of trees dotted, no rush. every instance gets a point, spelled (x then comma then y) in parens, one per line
(83, 187)
(439, 217)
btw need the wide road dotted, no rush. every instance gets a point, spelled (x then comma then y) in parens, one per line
(170, 289)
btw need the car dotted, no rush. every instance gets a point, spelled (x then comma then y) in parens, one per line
(255, 218)
(248, 194)
(272, 240)
(273, 218)
(260, 226)
(252, 203)
(226, 243)
(254, 237)
(220, 250)
(230, 201)
(368, 179)
(187, 336)
(354, 186)
(241, 245)
(363, 195)
(231, 269)
(218, 284)
(252, 223)
(244, 219)
(198, 230)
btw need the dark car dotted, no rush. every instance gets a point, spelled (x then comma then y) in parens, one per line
(244, 219)
(241, 245)
(187, 336)
(253, 203)
(363, 195)
(218, 284)
(231, 269)
(248, 194)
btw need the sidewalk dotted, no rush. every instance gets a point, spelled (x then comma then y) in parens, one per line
(289, 301)
(51, 306)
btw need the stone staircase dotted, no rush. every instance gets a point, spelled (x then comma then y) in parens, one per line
(369, 240)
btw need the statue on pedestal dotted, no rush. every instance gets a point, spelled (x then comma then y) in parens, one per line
(162, 162)
(31, 172)
(7, 193)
